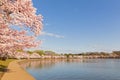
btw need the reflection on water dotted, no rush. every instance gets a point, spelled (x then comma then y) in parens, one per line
(73, 69)
(46, 63)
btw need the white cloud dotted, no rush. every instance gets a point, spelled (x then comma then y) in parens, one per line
(47, 24)
(51, 34)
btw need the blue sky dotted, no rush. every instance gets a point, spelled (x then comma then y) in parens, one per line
(80, 25)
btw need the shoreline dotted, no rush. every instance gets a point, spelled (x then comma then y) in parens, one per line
(16, 72)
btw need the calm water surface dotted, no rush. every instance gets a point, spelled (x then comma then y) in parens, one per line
(93, 69)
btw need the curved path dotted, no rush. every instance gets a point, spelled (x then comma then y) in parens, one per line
(16, 73)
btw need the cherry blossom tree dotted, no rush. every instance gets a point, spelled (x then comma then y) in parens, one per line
(19, 13)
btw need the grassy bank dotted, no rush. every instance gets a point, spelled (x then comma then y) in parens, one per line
(3, 66)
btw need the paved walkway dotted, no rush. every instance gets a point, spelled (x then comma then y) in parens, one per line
(16, 73)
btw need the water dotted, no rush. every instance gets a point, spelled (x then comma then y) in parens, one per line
(93, 69)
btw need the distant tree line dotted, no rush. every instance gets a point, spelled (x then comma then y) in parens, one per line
(51, 54)
(114, 54)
